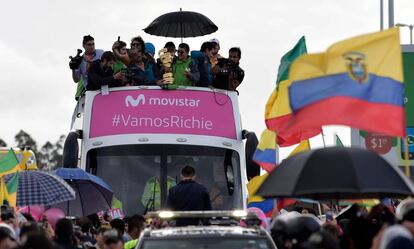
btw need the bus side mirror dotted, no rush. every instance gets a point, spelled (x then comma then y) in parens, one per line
(229, 178)
(71, 150)
(252, 168)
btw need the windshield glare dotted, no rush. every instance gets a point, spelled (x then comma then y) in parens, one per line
(141, 175)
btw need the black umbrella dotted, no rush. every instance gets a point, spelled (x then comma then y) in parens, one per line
(336, 173)
(181, 24)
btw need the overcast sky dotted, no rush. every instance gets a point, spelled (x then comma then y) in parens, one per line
(37, 92)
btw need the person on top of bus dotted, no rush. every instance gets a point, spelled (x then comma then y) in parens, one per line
(216, 55)
(91, 54)
(202, 58)
(137, 70)
(170, 46)
(185, 70)
(101, 73)
(137, 43)
(230, 74)
(149, 52)
(152, 71)
(120, 51)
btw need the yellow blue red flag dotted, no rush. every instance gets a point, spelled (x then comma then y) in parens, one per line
(278, 112)
(266, 205)
(357, 82)
(303, 146)
(265, 154)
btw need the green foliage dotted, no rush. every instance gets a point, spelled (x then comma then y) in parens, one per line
(23, 140)
(51, 155)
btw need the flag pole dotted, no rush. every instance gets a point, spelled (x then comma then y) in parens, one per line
(406, 156)
(323, 138)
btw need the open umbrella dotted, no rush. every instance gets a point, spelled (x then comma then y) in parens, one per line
(92, 193)
(181, 24)
(336, 173)
(41, 188)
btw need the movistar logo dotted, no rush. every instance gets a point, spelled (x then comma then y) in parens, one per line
(180, 102)
(130, 101)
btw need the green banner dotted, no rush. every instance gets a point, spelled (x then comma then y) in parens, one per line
(408, 65)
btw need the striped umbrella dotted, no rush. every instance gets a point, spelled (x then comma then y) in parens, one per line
(41, 188)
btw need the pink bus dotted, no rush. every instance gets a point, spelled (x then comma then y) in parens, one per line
(138, 138)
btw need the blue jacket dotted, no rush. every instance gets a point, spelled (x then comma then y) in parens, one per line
(204, 67)
(188, 195)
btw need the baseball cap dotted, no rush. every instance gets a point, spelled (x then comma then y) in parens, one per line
(215, 40)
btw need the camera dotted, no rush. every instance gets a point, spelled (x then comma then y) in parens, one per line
(75, 62)
(227, 66)
(7, 212)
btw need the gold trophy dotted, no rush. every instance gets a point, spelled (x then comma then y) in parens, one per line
(166, 60)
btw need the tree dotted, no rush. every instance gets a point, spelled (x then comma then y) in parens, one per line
(57, 155)
(51, 155)
(2, 143)
(45, 156)
(23, 140)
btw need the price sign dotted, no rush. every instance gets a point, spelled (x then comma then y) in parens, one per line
(378, 143)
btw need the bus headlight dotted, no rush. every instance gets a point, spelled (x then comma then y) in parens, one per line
(166, 214)
(239, 213)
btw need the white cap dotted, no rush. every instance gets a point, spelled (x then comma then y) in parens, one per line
(215, 40)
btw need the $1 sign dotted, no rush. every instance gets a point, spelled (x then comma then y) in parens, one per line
(378, 143)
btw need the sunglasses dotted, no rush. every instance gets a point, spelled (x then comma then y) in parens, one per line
(90, 44)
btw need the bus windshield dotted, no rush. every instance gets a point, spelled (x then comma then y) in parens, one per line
(141, 175)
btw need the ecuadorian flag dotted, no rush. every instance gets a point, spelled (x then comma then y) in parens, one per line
(265, 154)
(278, 112)
(266, 205)
(357, 82)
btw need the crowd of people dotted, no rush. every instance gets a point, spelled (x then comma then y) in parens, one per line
(384, 226)
(81, 233)
(380, 228)
(137, 66)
